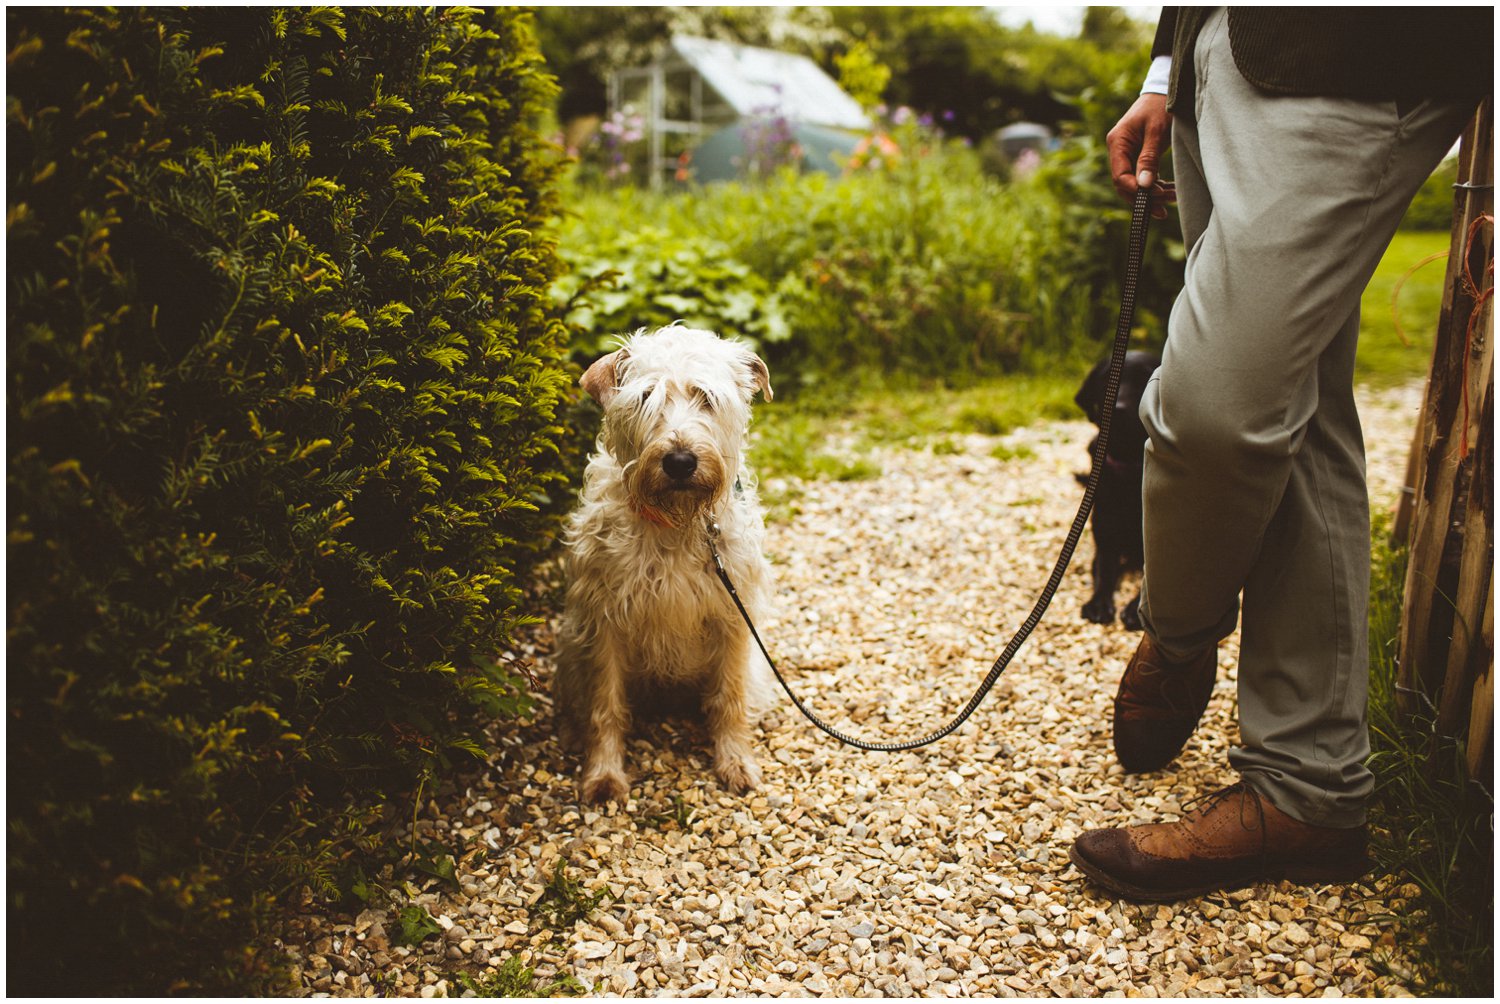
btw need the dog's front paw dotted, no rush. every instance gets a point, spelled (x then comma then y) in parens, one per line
(738, 773)
(1099, 610)
(1131, 615)
(603, 786)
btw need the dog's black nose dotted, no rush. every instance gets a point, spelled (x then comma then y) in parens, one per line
(679, 464)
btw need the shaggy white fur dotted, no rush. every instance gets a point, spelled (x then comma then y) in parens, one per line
(645, 617)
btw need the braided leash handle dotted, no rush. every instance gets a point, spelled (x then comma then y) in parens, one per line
(1140, 214)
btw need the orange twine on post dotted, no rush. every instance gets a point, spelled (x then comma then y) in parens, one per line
(1396, 294)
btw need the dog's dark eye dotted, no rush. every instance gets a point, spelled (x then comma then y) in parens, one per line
(704, 401)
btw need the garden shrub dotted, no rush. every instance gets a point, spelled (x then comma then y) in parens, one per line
(823, 275)
(922, 264)
(916, 267)
(284, 385)
(1092, 225)
(647, 277)
(1432, 207)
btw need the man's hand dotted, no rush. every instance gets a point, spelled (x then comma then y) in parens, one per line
(1135, 146)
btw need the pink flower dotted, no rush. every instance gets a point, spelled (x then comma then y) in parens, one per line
(1026, 163)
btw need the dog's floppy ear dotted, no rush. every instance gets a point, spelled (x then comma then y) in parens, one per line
(601, 380)
(760, 374)
(1090, 396)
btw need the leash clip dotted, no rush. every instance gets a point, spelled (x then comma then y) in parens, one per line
(713, 547)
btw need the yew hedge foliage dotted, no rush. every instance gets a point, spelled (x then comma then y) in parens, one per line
(284, 386)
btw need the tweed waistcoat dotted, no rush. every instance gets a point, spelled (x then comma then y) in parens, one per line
(1373, 53)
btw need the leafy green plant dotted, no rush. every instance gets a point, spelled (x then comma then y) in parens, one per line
(416, 926)
(516, 979)
(565, 901)
(1432, 208)
(681, 816)
(434, 860)
(861, 75)
(924, 266)
(1092, 225)
(647, 278)
(285, 397)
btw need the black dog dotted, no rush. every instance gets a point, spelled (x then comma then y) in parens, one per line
(1117, 503)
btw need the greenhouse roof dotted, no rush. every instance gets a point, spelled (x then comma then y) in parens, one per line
(763, 81)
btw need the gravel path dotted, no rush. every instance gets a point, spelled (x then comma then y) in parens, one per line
(942, 872)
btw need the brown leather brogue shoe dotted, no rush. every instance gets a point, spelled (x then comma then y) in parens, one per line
(1234, 838)
(1159, 703)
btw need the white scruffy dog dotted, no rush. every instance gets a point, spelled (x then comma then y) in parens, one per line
(646, 618)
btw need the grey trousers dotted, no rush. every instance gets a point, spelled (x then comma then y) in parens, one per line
(1255, 476)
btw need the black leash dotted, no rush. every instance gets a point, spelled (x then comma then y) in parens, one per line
(1140, 213)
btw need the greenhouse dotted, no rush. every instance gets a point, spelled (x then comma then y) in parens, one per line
(710, 110)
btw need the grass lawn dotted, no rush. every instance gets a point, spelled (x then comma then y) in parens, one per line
(1383, 356)
(825, 433)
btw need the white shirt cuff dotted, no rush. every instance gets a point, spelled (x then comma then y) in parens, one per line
(1159, 77)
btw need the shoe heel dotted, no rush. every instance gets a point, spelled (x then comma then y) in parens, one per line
(1339, 872)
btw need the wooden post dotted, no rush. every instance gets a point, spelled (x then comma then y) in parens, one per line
(1446, 651)
(1482, 707)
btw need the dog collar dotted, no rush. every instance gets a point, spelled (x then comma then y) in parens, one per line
(652, 515)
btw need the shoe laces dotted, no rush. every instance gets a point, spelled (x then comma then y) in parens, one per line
(1249, 820)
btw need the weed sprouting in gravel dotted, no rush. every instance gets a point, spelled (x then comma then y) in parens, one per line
(513, 978)
(566, 900)
(417, 925)
(681, 815)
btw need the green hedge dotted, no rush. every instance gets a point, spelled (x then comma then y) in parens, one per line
(284, 385)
